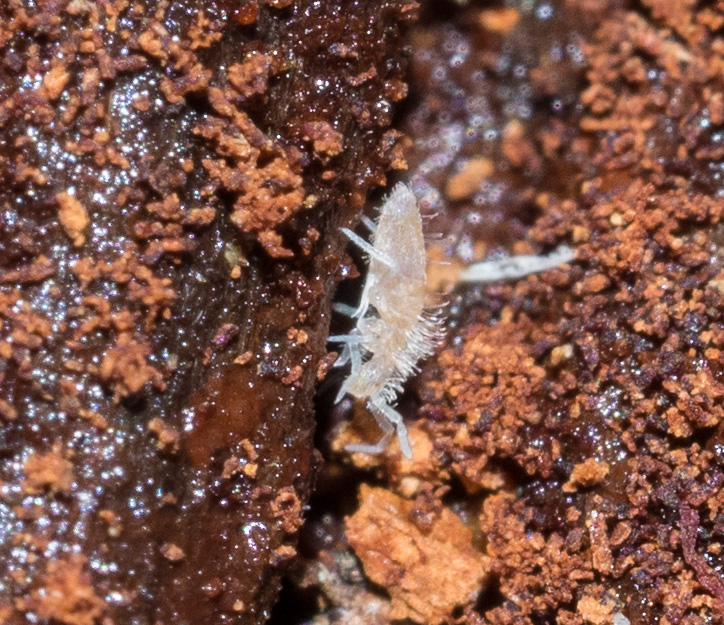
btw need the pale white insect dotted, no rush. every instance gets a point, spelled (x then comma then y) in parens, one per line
(389, 341)
(396, 327)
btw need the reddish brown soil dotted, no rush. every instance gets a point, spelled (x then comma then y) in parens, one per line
(574, 420)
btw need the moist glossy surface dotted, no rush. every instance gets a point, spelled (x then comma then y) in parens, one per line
(173, 178)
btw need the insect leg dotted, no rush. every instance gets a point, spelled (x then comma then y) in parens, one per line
(364, 300)
(344, 309)
(355, 355)
(349, 339)
(379, 408)
(387, 431)
(344, 357)
(369, 224)
(351, 352)
(369, 249)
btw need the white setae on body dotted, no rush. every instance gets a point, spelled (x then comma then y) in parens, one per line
(396, 328)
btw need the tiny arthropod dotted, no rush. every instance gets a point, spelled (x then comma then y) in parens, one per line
(396, 326)
(388, 342)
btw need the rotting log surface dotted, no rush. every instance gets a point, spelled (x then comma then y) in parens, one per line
(172, 175)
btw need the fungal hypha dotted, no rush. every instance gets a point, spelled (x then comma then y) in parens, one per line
(516, 266)
(396, 328)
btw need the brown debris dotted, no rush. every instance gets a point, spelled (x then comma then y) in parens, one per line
(251, 77)
(706, 577)
(225, 334)
(115, 527)
(151, 42)
(73, 217)
(172, 552)
(244, 465)
(499, 21)
(287, 509)
(464, 184)
(294, 375)
(588, 473)
(427, 574)
(49, 471)
(7, 410)
(65, 594)
(594, 611)
(54, 82)
(266, 195)
(36, 271)
(244, 359)
(326, 141)
(126, 366)
(167, 437)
